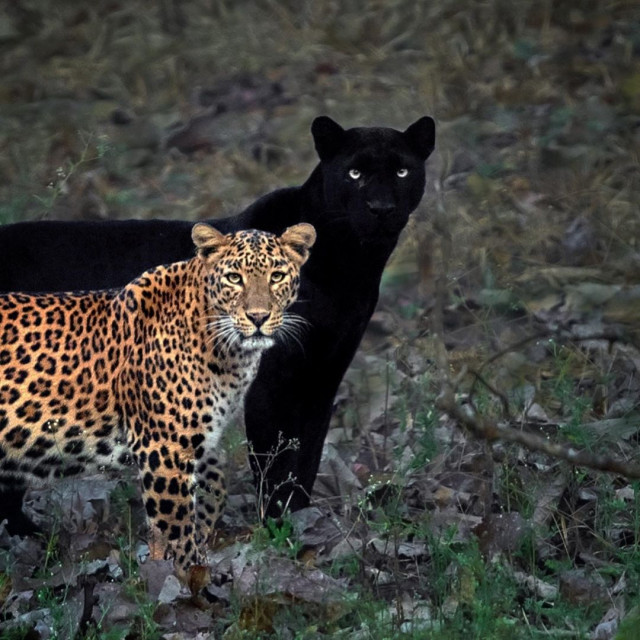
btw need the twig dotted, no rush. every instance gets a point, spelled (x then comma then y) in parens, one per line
(503, 398)
(491, 431)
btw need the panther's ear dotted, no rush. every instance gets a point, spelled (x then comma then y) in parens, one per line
(297, 241)
(207, 239)
(421, 136)
(328, 137)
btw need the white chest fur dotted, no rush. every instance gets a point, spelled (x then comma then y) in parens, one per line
(229, 390)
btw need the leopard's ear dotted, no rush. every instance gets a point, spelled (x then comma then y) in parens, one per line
(328, 137)
(421, 136)
(297, 241)
(207, 239)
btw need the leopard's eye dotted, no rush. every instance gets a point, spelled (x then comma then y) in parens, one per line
(354, 174)
(277, 276)
(402, 173)
(234, 278)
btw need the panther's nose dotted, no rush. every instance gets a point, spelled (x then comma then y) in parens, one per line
(258, 318)
(380, 209)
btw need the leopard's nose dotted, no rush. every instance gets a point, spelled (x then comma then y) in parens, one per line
(258, 318)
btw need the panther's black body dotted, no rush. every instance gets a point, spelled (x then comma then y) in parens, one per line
(359, 199)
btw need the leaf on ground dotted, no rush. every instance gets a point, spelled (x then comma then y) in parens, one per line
(582, 587)
(113, 607)
(266, 583)
(501, 533)
(23, 558)
(40, 620)
(540, 588)
(391, 549)
(270, 574)
(334, 476)
(607, 628)
(443, 522)
(159, 579)
(184, 617)
(75, 506)
(314, 527)
(547, 499)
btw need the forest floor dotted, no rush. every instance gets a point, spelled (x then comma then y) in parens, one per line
(505, 348)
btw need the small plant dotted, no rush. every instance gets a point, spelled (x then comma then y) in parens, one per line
(121, 499)
(51, 552)
(62, 626)
(568, 366)
(263, 463)
(278, 534)
(91, 151)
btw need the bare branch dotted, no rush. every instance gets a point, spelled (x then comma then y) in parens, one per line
(491, 431)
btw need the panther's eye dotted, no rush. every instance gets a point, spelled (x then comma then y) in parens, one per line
(277, 276)
(234, 278)
(354, 174)
(402, 173)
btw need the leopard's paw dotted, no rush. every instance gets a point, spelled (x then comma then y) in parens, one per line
(197, 578)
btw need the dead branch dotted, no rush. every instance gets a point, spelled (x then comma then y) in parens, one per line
(491, 431)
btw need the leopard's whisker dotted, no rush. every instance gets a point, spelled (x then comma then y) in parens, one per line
(222, 328)
(220, 321)
(287, 334)
(295, 319)
(229, 337)
(295, 323)
(220, 318)
(225, 335)
(218, 325)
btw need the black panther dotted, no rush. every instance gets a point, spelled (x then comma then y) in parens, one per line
(359, 198)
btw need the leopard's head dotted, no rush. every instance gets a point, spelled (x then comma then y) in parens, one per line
(252, 277)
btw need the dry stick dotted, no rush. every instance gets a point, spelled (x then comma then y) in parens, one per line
(558, 334)
(491, 431)
(503, 398)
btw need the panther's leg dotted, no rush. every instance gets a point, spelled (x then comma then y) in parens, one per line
(211, 496)
(11, 497)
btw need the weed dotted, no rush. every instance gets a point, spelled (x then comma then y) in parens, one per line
(266, 462)
(144, 626)
(59, 186)
(51, 552)
(510, 487)
(278, 534)
(416, 412)
(629, 628)
(62, 625)
(121, 500)
(568, 366)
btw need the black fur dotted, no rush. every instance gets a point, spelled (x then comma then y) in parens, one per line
(359, 204)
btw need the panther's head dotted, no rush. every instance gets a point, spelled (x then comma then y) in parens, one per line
(374, 176)
(253, 276)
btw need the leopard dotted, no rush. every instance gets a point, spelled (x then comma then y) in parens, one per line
(359, 197)
(149, 376)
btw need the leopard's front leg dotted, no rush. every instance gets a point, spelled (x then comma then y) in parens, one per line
(211, 495)
(169, 495)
